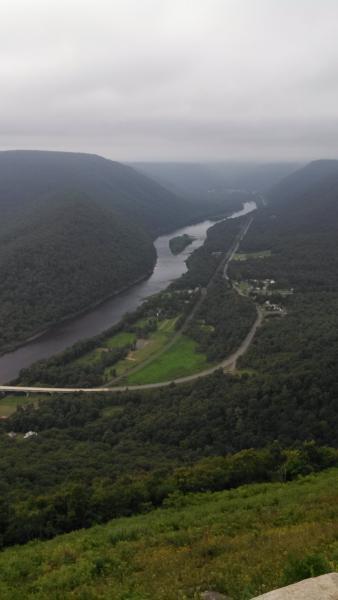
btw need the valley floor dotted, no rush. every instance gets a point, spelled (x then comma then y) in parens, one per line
(154, 350)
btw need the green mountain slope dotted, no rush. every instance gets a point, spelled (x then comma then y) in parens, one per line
(242, 542)
(74, 228)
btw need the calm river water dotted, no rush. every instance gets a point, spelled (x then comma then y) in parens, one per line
(168, 267)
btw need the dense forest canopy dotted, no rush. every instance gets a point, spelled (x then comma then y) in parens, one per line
(68, 257)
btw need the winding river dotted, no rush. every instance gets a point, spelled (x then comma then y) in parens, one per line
(168, 267)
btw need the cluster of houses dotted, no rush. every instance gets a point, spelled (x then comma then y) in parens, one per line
(262, 286)
(266, 288)
(270, 306)
(26, 436)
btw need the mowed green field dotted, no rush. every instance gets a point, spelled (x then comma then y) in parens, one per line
(181, 359)
(241, 542)
(150, 346)
(120, 339)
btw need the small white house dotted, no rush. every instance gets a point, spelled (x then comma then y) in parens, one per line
(29, 434)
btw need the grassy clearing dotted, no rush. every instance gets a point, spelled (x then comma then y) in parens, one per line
(180, 360)
(117, 341)
(242, 256)
(9, 404)
(112, 411)
(150, 346)
(156, 341)
(250, 372)
(242, 542)
(120, 340)
(243, 287)
(143, 322)
(91, 358)
(204, 327)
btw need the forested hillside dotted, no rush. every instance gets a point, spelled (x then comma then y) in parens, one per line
(74, 229)
(68, 257)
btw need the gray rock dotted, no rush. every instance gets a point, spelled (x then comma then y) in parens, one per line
(324, 587)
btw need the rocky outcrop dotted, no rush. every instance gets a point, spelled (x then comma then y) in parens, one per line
(324, 587)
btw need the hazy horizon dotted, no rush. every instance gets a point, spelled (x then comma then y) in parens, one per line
(172, 161)
(171, 81)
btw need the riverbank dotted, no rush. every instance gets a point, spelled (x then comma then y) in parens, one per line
(51, 325)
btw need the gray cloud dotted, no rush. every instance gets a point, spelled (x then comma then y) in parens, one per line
(171, 79)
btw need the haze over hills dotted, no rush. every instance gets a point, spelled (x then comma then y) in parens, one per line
(214, 179)
(74, 229)
(300, 226)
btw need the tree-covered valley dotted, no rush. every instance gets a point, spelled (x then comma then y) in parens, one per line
(97, 457)
(200, 309)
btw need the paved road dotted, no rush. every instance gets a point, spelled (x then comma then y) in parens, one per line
(227, 365)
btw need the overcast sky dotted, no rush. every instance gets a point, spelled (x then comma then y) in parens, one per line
(171, 79)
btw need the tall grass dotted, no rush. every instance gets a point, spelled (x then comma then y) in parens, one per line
(241, 542)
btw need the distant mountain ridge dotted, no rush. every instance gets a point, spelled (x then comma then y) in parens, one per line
(198, 179)
(74, 229)
(28, 177)
(317, 174)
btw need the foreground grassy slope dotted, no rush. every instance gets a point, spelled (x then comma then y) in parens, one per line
(242, 542)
